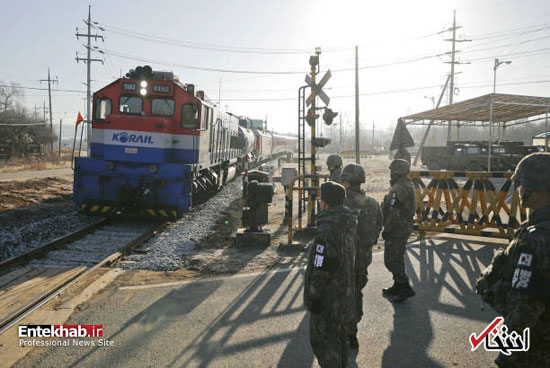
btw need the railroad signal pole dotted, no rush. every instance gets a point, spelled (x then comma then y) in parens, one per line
(88, 61)
(50, 81)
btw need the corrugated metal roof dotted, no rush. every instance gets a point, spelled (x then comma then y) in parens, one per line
(505, 108)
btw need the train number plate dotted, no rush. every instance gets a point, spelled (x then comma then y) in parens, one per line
(130, 150)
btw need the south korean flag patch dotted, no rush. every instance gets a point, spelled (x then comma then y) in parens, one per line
(393, 199)
(319, 256)
(525, 259)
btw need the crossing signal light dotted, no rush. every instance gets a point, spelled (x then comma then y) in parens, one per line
(311, 117)
(329, 115)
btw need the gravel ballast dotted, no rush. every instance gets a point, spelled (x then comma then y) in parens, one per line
(166, 251)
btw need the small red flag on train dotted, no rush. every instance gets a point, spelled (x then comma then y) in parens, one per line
(79, 119)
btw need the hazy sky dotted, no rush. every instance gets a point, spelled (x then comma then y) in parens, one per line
(400, 50)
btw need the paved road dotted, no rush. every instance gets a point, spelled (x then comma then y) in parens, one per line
(258, 320)
(25, 175)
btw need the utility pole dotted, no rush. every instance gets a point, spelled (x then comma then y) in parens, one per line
(373, 135)
(60, 129)
(50, 81)
(453, 62)
(340, 138)
(357, 149)
(220, 93)
(88, 60)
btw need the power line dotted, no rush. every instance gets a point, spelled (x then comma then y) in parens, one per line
(382, 92)
(210, 47)
(45, 89)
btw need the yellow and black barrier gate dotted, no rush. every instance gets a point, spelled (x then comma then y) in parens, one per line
(467, 203)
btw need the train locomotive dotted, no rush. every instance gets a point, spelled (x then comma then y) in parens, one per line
(157, 145)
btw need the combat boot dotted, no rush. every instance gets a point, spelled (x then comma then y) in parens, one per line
(404, 293)
(393, 290)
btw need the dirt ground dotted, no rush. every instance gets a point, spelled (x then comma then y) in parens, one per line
(217, 253)
(32, 164)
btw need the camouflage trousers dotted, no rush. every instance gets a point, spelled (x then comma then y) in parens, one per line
(394, 258)
(329, 342)
(360, 283)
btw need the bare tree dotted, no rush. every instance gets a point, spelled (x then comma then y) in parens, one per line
(8, 94)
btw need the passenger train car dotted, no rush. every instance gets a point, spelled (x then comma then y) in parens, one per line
(157, 145)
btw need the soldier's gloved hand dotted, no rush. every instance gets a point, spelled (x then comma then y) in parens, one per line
(385, 235)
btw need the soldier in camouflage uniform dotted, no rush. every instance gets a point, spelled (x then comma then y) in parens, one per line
(334, 164)
(398, 209)
(369, 224)
(330, 278)
(517, 283)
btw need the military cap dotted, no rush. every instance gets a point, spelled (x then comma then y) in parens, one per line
(353, 173)
(533, 172)
(333, 193)
(334, 160)
(400, 167)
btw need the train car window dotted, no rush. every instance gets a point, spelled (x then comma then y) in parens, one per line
(130, 104)
(206, 119)
(189, 116)
(162, 106)
(103, 107)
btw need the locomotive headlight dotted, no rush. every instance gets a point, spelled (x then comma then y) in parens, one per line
(143, 91)
(153, 169)
(143, 84)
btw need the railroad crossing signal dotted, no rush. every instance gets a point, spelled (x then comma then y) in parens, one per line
(318, 88)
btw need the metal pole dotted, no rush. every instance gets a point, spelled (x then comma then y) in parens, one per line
(431, 122)
(357, 148)
(50, 99)
(89, 83)
(451, 90)
(340, 138)
(311, 203)
(490, 134)
(546, 131)
(60, 126)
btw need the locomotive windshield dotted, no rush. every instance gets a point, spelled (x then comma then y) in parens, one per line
(189, 116)
(130, 104)
(162, 106)
(104, 107)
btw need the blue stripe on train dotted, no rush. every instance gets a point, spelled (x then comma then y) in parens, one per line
(143, 154)
(170, 186)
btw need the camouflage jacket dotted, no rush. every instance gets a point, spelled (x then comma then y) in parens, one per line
(335, 175)
(516, 283)
(369, 224)
(329, 288)
(398, 208)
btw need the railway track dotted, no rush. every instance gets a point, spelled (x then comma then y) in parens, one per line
(30, 280)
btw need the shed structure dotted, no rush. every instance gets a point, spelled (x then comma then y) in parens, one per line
(504, 110)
